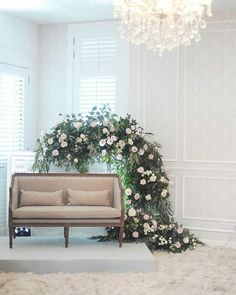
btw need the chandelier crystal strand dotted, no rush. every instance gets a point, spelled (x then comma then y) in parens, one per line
(162, 24)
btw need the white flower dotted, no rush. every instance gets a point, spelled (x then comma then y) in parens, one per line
(134, 149)
(131, 212)
(119, 157)
(128, 202)
(78, 139)
(145, 147)
(163, 179)
(112, 129)
(180, 230)
(123, 235)
(140, 170)
(50, 141)
(148, 197)
(186, 240)
(153, 178)
(145, 217)
(146, 225)
(102, 142)
(64, 144)
(77, 125)
(135, 234)
(76, 160)
(93, 124)
(104, 130)
(121, 143)
(137, 196)
(105, 122)
(164, 193)
(114, 138)
(128, 131)
(142, 181)
(82, 136)
(130, 141)
(55, 153)
(150, 156)
(141, 152)
(128, 191)
(103, 152)
(68, 156)
(109, 141)
(63, 136)
(177, 245)
(154, 224)
(133, 127)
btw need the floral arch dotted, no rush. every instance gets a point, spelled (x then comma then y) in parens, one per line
(101, 136)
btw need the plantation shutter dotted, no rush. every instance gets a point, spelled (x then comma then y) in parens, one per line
(12, 94)
(97, 67)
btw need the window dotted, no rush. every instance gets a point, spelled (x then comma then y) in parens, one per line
(99, 68)
(12, 97)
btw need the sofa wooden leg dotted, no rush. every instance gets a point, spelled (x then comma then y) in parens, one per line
(121, 236)
(10, 236)
(66, 234)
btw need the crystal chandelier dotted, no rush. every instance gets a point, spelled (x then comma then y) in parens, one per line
(162, 24)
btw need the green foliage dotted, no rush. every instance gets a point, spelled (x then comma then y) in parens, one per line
(101, 136)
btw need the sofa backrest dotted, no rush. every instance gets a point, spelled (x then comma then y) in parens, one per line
(49, 182)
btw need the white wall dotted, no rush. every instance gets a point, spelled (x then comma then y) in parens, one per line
(19, 46)
(187, 99)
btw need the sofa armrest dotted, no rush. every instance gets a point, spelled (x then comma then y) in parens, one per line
(13, 193)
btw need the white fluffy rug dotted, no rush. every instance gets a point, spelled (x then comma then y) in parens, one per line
(204, 271)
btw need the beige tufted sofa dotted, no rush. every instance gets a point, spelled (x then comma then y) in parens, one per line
(65, 200)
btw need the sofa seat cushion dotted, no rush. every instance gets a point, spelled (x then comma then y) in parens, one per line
(66, 212)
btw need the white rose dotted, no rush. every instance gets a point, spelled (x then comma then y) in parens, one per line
(153, 178)
(131, 212)
(112, 129)
(186, 240)
(64, 144)
(55, 153)
(145, 217)
(134, 149)
(141, 152)
(78, 139)
(68, 156)
(148, 197)
(119, 157)
(104, 130)
(128, 202)
(114, 138)
(128, 131)
(102, 142)
(93, 124)
(63, 136)
(82, 136)
(180, 230)
(128, 191)
(76, 160)
(140, 170)
(163, 179)
(77, 125)
(105, 122)
(50, 141)
(135, 234)
(103, 152)
(130, 141)
(164, 193)
(146, 225)
(123, 235)
(150, 156)
(177, 245)
(121, 143)
(137, 196)
(145, 147)
(142, 181)
(109, 141)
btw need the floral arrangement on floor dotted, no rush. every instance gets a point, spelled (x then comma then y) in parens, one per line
(101, 136)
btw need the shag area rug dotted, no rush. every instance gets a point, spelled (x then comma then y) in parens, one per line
(204, 271)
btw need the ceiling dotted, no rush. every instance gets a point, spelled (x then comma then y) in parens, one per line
(69, 11)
